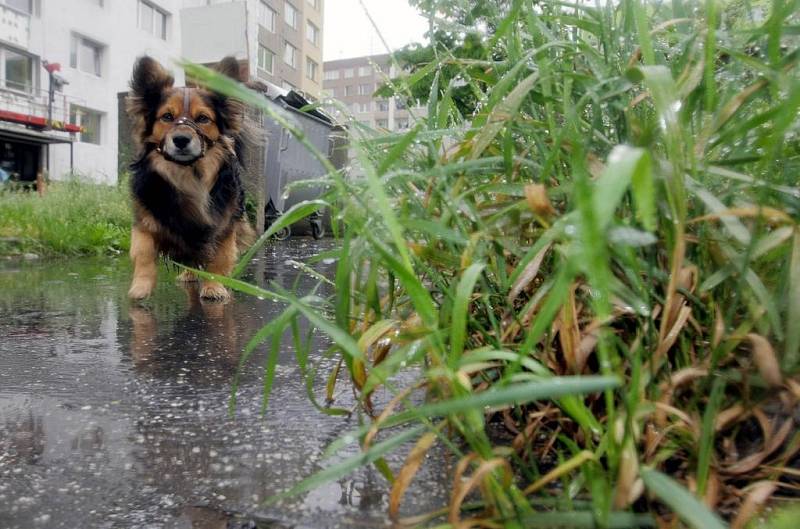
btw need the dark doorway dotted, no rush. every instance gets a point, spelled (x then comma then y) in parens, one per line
(19, 161)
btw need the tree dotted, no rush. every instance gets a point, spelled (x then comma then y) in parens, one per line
(462, 32)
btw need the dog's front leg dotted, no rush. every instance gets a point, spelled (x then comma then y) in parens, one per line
(143, 255)
(221, 264)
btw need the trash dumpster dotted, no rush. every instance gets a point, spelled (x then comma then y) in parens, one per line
(286, 160)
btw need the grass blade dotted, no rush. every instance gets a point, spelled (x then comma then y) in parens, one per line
(680, 500)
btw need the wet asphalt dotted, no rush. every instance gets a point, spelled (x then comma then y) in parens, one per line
(115, 415)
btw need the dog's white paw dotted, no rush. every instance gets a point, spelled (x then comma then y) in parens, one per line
(140, 289)
(213, 291)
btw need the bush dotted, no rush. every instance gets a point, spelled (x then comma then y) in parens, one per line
(72, 218)
(601, 257)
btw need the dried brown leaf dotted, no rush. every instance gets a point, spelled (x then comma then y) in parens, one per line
(771, 215)
(536, 196)
(719, 328)
(729, 416)
(751, 462)
(409, 470)
(373, 431)
(757, 496)
(569, 333)
(463, 488)
(766, 360)
(528, 275)
(564, 468)
(672, 335)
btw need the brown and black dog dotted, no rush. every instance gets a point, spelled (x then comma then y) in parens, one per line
(188, 200)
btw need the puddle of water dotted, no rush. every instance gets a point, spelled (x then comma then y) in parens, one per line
(115, 415)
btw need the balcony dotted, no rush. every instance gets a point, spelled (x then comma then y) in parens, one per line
(30, 109)
(15, 27)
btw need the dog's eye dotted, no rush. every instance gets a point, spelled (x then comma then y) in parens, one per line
(168, 117)
(202, 118)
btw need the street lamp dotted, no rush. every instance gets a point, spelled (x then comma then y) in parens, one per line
(57, 83)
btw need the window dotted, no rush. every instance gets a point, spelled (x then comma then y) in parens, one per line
(311, 69)
(152, 20)
(399, 104)
(86, 55)
(89, 120)
(383, 105)
(348, 90)
(17, 70)
(314, 3)
(363, 107)
(364, 71)
(266, 16)
(24, 6)
(312, 33)
(266, 59)
(364, 89)
(331, 75)
(382, 123)
(290, 15)
(402, 123)
(348, 73)
(290, 55)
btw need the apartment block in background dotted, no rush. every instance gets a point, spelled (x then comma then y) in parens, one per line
(354, 81)
(279, 41)
(95, 43)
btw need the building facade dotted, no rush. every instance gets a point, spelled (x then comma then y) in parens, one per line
(353, 83)
(95, 43)
(279, 41)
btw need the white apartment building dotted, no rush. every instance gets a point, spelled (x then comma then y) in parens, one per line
(96, 42)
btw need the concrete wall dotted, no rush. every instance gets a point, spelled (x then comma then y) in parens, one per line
(212, 32)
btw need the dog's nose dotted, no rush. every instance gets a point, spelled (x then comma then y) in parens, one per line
(181, 140)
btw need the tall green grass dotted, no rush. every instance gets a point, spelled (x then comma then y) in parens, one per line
(602, 261)
(72, 218)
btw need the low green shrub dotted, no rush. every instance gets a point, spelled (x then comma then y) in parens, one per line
(586, 257)
(72, 218)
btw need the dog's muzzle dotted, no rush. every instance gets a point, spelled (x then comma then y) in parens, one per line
(184, 120)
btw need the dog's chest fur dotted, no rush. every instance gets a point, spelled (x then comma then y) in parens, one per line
(189, 220)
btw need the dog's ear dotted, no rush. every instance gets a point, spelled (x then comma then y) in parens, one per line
(148, 82)
(229, 109)
(230, 66)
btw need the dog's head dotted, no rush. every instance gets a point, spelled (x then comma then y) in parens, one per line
(181, 124)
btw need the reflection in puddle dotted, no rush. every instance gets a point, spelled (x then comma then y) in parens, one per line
(116, 415)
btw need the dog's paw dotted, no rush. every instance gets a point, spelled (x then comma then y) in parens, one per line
(186, 277)
(213, 291)
(140, 290)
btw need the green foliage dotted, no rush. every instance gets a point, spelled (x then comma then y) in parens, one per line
(620, 204)
(72, 218)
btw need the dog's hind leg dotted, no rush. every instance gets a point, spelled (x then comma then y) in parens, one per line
(221, 264)
(143, 255)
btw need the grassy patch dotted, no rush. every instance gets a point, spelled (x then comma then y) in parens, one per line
(72, 218)
(589, 251)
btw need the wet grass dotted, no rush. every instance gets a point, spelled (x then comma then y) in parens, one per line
(72, 218)
(596, 274)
